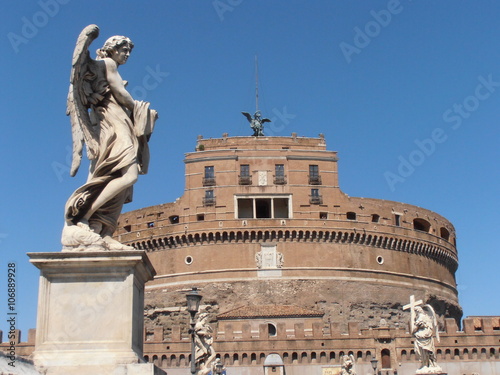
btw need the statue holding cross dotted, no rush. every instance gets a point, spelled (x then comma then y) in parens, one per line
(423, 326)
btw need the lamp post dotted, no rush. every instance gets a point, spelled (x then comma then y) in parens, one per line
(193, 304)
(374, 363)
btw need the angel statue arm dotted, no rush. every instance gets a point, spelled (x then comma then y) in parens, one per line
(116, 129)
(116, 83)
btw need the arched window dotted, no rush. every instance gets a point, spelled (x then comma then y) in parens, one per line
(271, 329)
(421, 225)
(444, 233)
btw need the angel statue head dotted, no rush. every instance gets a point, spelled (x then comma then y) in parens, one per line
(117, 47)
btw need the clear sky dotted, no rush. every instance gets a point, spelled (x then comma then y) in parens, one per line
(408, 93)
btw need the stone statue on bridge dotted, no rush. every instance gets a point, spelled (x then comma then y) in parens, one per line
(116, 130)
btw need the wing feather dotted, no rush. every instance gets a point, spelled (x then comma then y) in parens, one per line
(77, 105)
(248, 116)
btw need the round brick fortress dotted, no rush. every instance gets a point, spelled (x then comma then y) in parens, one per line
(263, 221)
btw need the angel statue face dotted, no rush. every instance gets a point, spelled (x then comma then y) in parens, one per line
(117, 48)
(121, 54)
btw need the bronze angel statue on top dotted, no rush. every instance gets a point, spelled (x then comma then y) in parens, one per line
(116, 130)
(256, 123)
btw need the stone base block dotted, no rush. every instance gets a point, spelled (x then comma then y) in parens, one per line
(91, 312)
(130, 369)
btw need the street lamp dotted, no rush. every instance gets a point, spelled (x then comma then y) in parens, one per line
(374, 365)
(193, 304)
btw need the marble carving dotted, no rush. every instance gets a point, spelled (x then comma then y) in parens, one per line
(116, 130)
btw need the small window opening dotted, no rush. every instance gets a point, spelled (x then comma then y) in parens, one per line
(200, 217)
(397, 220)
(323, 215)
(375, 218)
(151, 224)
(272, 329)
(188, 260)
(127, 228)
(351, 216)
(174, 219)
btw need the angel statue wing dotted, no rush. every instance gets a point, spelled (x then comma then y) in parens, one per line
(80, 96)
(265, 120)
(435, 327)
(248, 116)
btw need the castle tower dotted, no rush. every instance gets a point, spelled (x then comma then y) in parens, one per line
(263, 221)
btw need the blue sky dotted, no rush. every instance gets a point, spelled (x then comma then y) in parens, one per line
(408, 93)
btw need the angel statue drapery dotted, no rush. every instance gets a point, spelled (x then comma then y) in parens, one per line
(116, 130)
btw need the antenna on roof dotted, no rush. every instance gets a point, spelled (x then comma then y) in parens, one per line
(256, 84)
(256, 122)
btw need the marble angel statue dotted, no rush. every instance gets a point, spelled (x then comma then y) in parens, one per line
(116, 130)
(347, 365)
(424, 328)
(205, 353)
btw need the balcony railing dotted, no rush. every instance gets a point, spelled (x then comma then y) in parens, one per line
(208, 181)
(245, 180)
(280, 180)
(209, 201)
(315, 199)
(314, 179)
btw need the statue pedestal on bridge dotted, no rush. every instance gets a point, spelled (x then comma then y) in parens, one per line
(91, 313)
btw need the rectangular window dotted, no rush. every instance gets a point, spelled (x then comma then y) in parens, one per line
(315, 197)
(279, 170)
(209, 171)
(280, 206)
(314, 177)
(263, 208)
(209, 177)
(244, 170)
(397, 220)
(245, 178)
(245, 208)
(209, 199)
(313, 170)
(279, 174)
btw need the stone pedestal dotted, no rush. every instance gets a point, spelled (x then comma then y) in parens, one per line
(91, 313)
